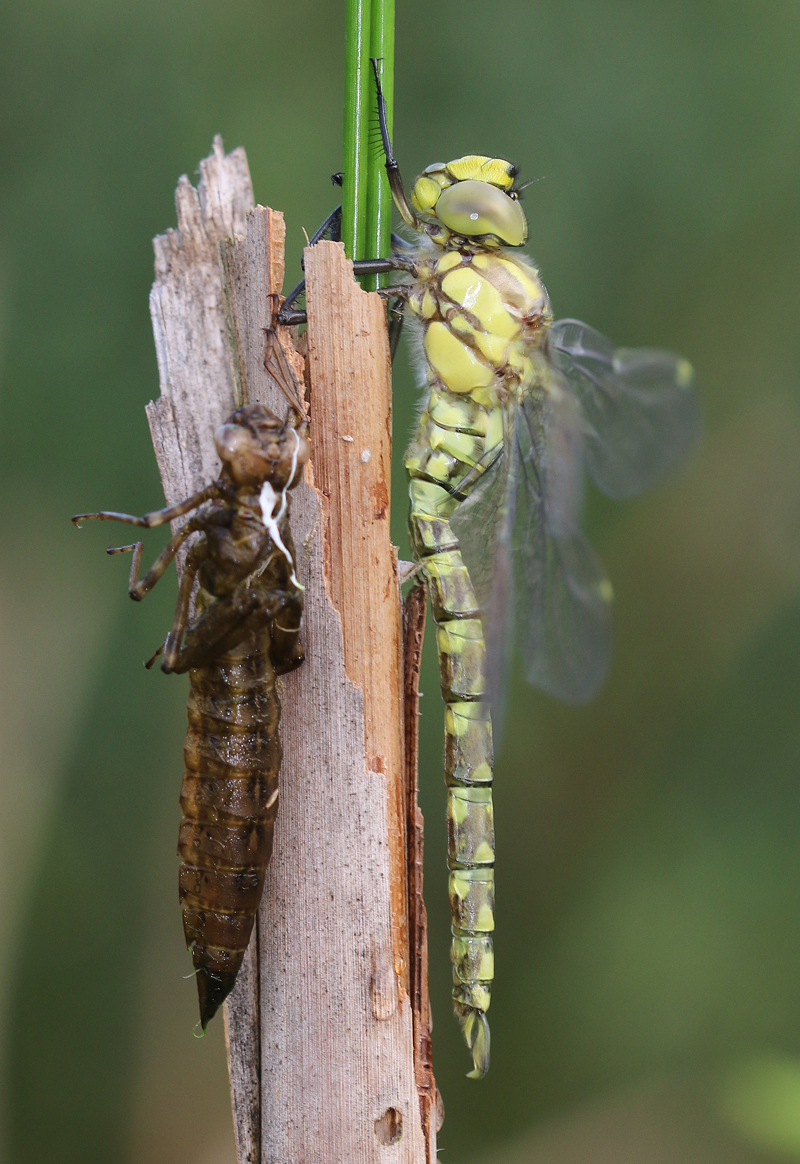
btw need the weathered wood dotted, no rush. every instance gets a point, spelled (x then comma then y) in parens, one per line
(337, 1027)
(200, 386)
(187, 307)
(253, 273)
(320, 1027)
(253, 267)
(350, 374)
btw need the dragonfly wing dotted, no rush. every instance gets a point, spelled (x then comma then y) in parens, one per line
(562, 611)
(539, 584)
(639, 407)
(483, 524)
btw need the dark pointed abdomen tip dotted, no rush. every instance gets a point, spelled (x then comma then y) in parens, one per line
(212, 990)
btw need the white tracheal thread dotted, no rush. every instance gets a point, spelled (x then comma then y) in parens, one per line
(270, 518)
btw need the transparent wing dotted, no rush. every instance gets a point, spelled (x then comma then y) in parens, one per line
(539, 584)
(483, 524)
(627, 416)
(639, 407)
(562, 611)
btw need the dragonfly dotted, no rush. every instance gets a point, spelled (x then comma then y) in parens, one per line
(245, 633)
(518, 409)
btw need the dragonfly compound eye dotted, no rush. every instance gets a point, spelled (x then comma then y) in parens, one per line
(474, 208)
(242, 454)
(230, 440)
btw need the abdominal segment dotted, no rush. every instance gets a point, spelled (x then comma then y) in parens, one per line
(229, 799)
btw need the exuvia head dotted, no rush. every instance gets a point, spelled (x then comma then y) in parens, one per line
(255, 446)
(474, 197)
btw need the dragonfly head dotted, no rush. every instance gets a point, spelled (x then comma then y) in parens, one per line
(255, 446)
(473, 197)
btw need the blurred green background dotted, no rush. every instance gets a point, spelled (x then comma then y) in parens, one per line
(647, 1006)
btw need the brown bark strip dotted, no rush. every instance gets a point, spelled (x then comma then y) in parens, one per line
(350, 373)
(430, 1103)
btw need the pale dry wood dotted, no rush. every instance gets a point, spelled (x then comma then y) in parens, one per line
(187, 307)
(253, 267)
(199, 383)
(320, 1027)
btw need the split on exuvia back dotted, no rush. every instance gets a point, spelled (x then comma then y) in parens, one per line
(518, 407)
(245, 632)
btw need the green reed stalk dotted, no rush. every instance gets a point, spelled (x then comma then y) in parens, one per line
(366, 200)
(379, 197)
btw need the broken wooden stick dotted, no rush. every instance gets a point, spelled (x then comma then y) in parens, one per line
(328, 1026)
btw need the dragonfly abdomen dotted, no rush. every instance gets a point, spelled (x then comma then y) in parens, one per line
(229, 799)
(478, 312)
(468, 763)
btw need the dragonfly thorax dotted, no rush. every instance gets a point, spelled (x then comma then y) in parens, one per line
(484, 318)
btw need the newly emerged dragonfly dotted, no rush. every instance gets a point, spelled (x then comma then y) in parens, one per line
(249, 606)
(518, 408)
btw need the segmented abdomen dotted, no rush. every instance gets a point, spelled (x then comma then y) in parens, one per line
(229, 799)
(467, 761)
(479, 314)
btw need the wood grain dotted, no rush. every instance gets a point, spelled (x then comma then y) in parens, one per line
(337, 1024)
(187, 307)
(350, 373)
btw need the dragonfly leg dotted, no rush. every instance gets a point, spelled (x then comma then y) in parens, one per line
(382, 266)
(290, 316)
(392, 168)
(228, 621)
(138, 587)
(158, 651)
(157, 517)
(176, 632)
(401, 244)
(331, 227)
(278, 367)
(396, 298)
(286, 651)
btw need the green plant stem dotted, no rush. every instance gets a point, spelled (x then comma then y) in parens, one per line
(366, 198)
(379, 197)
(356, 126)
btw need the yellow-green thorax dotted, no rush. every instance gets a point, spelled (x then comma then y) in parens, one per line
(485, 315)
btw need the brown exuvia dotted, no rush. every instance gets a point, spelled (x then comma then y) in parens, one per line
(245, 632)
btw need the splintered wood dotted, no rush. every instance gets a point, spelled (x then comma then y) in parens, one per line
(327, 1028)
